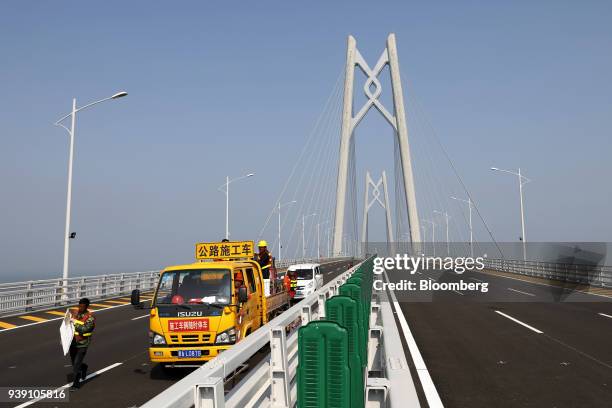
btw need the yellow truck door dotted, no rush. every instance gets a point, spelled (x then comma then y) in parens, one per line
(248, 309)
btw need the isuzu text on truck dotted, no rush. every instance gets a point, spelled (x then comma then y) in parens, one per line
(203, 308)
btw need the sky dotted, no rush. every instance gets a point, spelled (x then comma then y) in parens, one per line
(229, 88)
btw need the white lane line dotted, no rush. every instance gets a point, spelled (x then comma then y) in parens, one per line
(477, 280)
(456, 291)
(59, 318)
(429, 388)
(519, 322)
(545, 284)
(606, 315)
(90, 376)
(524, 293)
(140, 317)
(419, 272)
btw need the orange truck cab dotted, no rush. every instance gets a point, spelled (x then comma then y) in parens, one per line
(203, 308)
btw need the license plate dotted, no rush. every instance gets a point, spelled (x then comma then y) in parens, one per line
(189, 353)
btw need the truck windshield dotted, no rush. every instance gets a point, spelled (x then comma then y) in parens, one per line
(304, 273)
(195, 286)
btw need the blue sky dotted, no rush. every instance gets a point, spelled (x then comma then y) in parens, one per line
(230, 88)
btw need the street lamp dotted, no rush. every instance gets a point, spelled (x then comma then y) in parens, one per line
(318, 245)
(303, 228)
(278, 208)
(522, 181)
(469, 202)
(226, 191)
(433, 234)
(446, 217)
(67, 234)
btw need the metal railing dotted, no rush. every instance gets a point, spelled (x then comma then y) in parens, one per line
(563, 272)
(284, 263)
(272, 381)
(20, 297)
(389, 382)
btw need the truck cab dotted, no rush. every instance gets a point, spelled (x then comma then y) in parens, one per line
(203, 308)
(309, 278)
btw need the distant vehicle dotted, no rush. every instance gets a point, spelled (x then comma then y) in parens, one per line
(309, 279)
(201, 309)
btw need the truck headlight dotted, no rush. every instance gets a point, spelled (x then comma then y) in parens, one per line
(156, 339)
(226, 337)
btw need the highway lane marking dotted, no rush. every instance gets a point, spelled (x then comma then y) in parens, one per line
(55, 312)
(119, 302)
(545, 284)
(519, 291)
(33, 318)
(429, 388)
(456, 291)
(519, 322)
(606, 315)
(477, 280)
(89, 377)
(140, 317)
(6, 325)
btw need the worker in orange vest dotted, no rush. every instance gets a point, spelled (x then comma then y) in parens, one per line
(84, 324)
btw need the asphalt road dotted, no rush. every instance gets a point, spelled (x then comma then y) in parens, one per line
(32, 357)
(515, 346)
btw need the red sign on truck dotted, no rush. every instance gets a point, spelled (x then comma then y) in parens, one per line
(188, 325)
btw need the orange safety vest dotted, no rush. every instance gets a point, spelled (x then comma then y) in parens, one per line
(78, 336)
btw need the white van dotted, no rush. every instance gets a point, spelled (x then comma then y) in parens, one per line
(309, 279)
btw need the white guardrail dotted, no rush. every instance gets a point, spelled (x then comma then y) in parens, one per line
(272, 382)
(574, 273)
(21, 297)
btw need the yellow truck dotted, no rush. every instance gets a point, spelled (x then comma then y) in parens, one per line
(203, 308)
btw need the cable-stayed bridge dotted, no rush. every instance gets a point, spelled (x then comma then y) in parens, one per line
(539, 335)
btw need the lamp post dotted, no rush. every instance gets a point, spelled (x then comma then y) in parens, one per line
(226, 191)
(469, 202)
(522, 181)
(303, 233)
(328, 242)
(318, 242)
(72, 133)
(446, 217)
(433, 234)
(278, 208)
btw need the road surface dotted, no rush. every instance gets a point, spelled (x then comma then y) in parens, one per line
(32, 357)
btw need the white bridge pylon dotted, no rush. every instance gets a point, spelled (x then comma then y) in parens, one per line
(397, 120)
(369, 202)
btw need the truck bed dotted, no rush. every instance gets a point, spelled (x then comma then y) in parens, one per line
(277, 301)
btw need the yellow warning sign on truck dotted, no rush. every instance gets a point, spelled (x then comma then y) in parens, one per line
(225, 250)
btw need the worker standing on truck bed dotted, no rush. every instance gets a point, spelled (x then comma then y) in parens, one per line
(84, 324)
(266, 263)
(264, 257)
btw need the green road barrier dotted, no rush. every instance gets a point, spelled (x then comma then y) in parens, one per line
(333, 353)
(323, 374)
(344, 310)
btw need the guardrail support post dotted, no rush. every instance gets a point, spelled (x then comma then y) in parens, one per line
(306, 314)
(209, 394)
(29, 297)
(280, 395)
(58, 292)
(321, 300)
